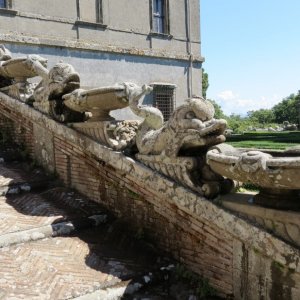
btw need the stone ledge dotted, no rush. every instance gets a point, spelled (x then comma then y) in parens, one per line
(184, 199)
(90, 24)
(89, 46)
(7, 11)
(284, 224)
(165, 36)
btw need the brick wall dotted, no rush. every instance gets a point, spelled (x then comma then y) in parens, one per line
(237, 258)
(203, 247)
(17, 129)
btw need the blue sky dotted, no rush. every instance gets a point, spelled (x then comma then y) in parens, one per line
(252, 52)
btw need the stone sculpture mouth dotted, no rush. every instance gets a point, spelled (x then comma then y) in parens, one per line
(214, 128)
(72, 82)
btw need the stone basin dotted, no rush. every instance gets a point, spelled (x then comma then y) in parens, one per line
(277, 174)
(98, 101)
(19, 68)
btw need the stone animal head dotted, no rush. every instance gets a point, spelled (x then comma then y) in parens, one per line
(194, 122)
(4, 53)
(134, 92)
(62, 79)
(36, 58)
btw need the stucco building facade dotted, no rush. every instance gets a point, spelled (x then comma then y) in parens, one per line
(108, 41)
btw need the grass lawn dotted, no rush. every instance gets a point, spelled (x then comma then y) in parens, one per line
(265, 140)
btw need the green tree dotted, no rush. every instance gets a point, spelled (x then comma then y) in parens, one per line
(219, 114)
(298, 107)
(287, 110)
(261, 116)
(240, 124)
(205, 83)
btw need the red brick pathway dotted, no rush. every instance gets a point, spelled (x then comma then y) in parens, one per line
(61, 267)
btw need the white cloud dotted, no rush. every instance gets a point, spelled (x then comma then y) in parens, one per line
(227, 95)
(231, 102)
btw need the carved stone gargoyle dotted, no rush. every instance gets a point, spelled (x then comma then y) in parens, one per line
(117, 134)
(177, 148)
(15, 72)
(48, 94)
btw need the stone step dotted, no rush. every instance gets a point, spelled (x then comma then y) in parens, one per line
(14, 179)
(52, 230)
(10, 154)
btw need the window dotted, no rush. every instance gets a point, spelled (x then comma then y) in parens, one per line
(99, 13)
(6, 4)
(6, 7)
(160, 16)
(164, 98)
(90, 11)
(3, 4)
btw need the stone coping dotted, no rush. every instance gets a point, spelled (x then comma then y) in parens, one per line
(186, 200)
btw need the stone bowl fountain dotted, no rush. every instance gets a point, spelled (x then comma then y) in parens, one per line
(98, 101)
(277, 174)
(20, 68)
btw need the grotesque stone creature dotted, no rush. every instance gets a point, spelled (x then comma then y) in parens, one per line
(15, 72)
(47, 96)
(177, 148)
(4, 56)
(191, 126)
(4, 53)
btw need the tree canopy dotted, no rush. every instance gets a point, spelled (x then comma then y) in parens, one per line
(205, 83)
(286, 110)
(262, 116)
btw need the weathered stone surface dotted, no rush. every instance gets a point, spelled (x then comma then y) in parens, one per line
(177, 148)
(284, 224)
(276, 175)
(101, 101)
(117, 135)
(47, 96)
(43, 148)
(191, 126)
(14, 73)
(178, 219)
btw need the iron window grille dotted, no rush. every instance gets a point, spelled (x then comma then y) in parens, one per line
(164, 98)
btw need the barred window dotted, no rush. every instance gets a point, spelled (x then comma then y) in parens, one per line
(164, 98)
(160, 16)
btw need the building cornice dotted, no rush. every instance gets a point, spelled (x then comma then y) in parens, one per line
(90, 46)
